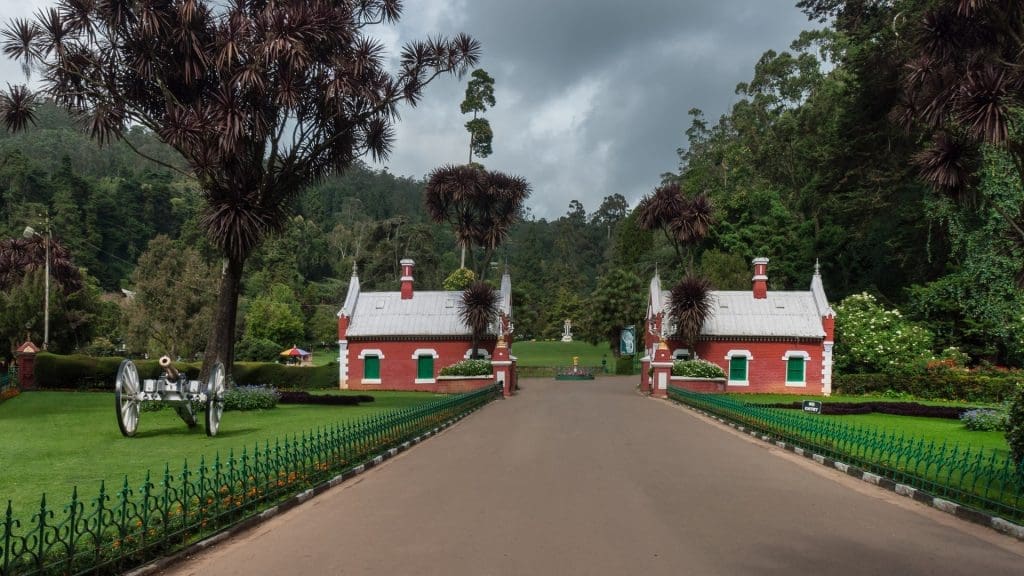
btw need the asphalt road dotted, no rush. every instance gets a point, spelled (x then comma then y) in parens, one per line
(590, 478)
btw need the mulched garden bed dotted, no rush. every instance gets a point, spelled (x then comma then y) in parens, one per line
(893, 408)
(303, 397)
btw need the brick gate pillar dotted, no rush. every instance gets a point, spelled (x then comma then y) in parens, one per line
(662, 365)
(25, 357)
(503, 368)
(645, 374)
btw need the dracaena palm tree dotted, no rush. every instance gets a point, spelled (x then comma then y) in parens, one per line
(479, 309)
(481, 205)
(685, 221)
(963, 86)
(690, 305)
(19, 256)
(261, 98)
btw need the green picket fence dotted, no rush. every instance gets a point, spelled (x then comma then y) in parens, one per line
(985, 480)
(125, 527)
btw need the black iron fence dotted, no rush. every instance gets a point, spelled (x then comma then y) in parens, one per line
(124, 527)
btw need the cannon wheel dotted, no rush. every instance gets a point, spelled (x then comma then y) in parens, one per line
(126, 391)
(214, 399)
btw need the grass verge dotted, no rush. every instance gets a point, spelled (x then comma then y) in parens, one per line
(53, 441)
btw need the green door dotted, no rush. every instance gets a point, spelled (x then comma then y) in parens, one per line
(425, 368)
(738, 368)
(371, 368)
(795, 370)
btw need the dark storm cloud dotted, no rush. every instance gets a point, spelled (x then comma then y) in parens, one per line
(592, 95)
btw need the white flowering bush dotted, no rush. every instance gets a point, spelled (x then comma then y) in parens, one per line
(871, 339)
(697, 369)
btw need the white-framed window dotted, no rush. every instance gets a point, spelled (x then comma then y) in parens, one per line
(482, 352)
(739, 367)
(681, 354)
(371, 365)
(424, 358)
(796, 367)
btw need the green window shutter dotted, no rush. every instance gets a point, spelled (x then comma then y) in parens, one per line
(738, 368)
(425, 368)
(795, 370)
(371, 368)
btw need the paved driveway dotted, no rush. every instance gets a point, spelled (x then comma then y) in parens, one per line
(590, 478)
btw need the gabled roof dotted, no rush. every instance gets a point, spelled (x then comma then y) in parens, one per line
(783, 314)
(427, 313)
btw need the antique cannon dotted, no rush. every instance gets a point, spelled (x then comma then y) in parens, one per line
(172, 388)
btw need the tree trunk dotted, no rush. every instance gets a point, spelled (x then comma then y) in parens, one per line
(221, 344)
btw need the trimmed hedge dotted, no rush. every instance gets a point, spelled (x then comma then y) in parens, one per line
(303, 397)
(624, 365)
(286, 377)
(893, 408)
(940, 385)
(79, 372)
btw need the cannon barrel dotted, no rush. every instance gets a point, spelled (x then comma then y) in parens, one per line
(169, 369)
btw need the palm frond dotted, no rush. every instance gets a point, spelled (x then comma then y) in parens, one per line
(690, 305)
(479, 307)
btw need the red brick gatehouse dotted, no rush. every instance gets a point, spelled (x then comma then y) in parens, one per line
(765, 341)
(401, 340)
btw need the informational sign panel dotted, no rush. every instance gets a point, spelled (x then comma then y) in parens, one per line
(812, 406)
(627, 341)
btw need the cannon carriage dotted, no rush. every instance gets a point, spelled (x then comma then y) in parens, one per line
(172, 388)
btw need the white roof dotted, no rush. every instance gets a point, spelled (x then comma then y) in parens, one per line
(783, 314)
(425, 314)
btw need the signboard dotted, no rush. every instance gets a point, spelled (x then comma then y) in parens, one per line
(627, 341)
(812, 406)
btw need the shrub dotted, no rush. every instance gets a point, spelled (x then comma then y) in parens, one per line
(303, 397)
(697, 369)
(624, 365)
(257, 350)
(1015, 427)
(286, 377)
(985, 419)
(892, 408)
(932, 384)
(459, 280)
(870, 338)
(243, 398)
(468, 368)
(77, 372)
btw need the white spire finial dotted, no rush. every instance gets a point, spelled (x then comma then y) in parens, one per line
(817, 267)
(355, 268)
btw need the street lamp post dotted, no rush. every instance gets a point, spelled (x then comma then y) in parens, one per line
(30, 232)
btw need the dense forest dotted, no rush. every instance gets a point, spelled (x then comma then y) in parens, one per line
(809, 165)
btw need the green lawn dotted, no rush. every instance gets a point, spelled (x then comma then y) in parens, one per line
(52, 441)
(558, 353)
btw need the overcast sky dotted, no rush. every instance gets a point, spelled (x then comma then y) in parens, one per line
(591, 95)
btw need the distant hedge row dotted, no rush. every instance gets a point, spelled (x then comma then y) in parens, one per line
(945, 385)
(79, 372)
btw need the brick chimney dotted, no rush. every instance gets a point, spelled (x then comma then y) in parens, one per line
(760, 278)
(407, 266)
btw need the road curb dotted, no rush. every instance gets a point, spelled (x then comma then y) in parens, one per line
(962, 512)
(165, 562)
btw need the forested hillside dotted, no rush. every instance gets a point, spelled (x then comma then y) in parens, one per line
(807, 166)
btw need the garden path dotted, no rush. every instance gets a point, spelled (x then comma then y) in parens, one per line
(591, 478)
